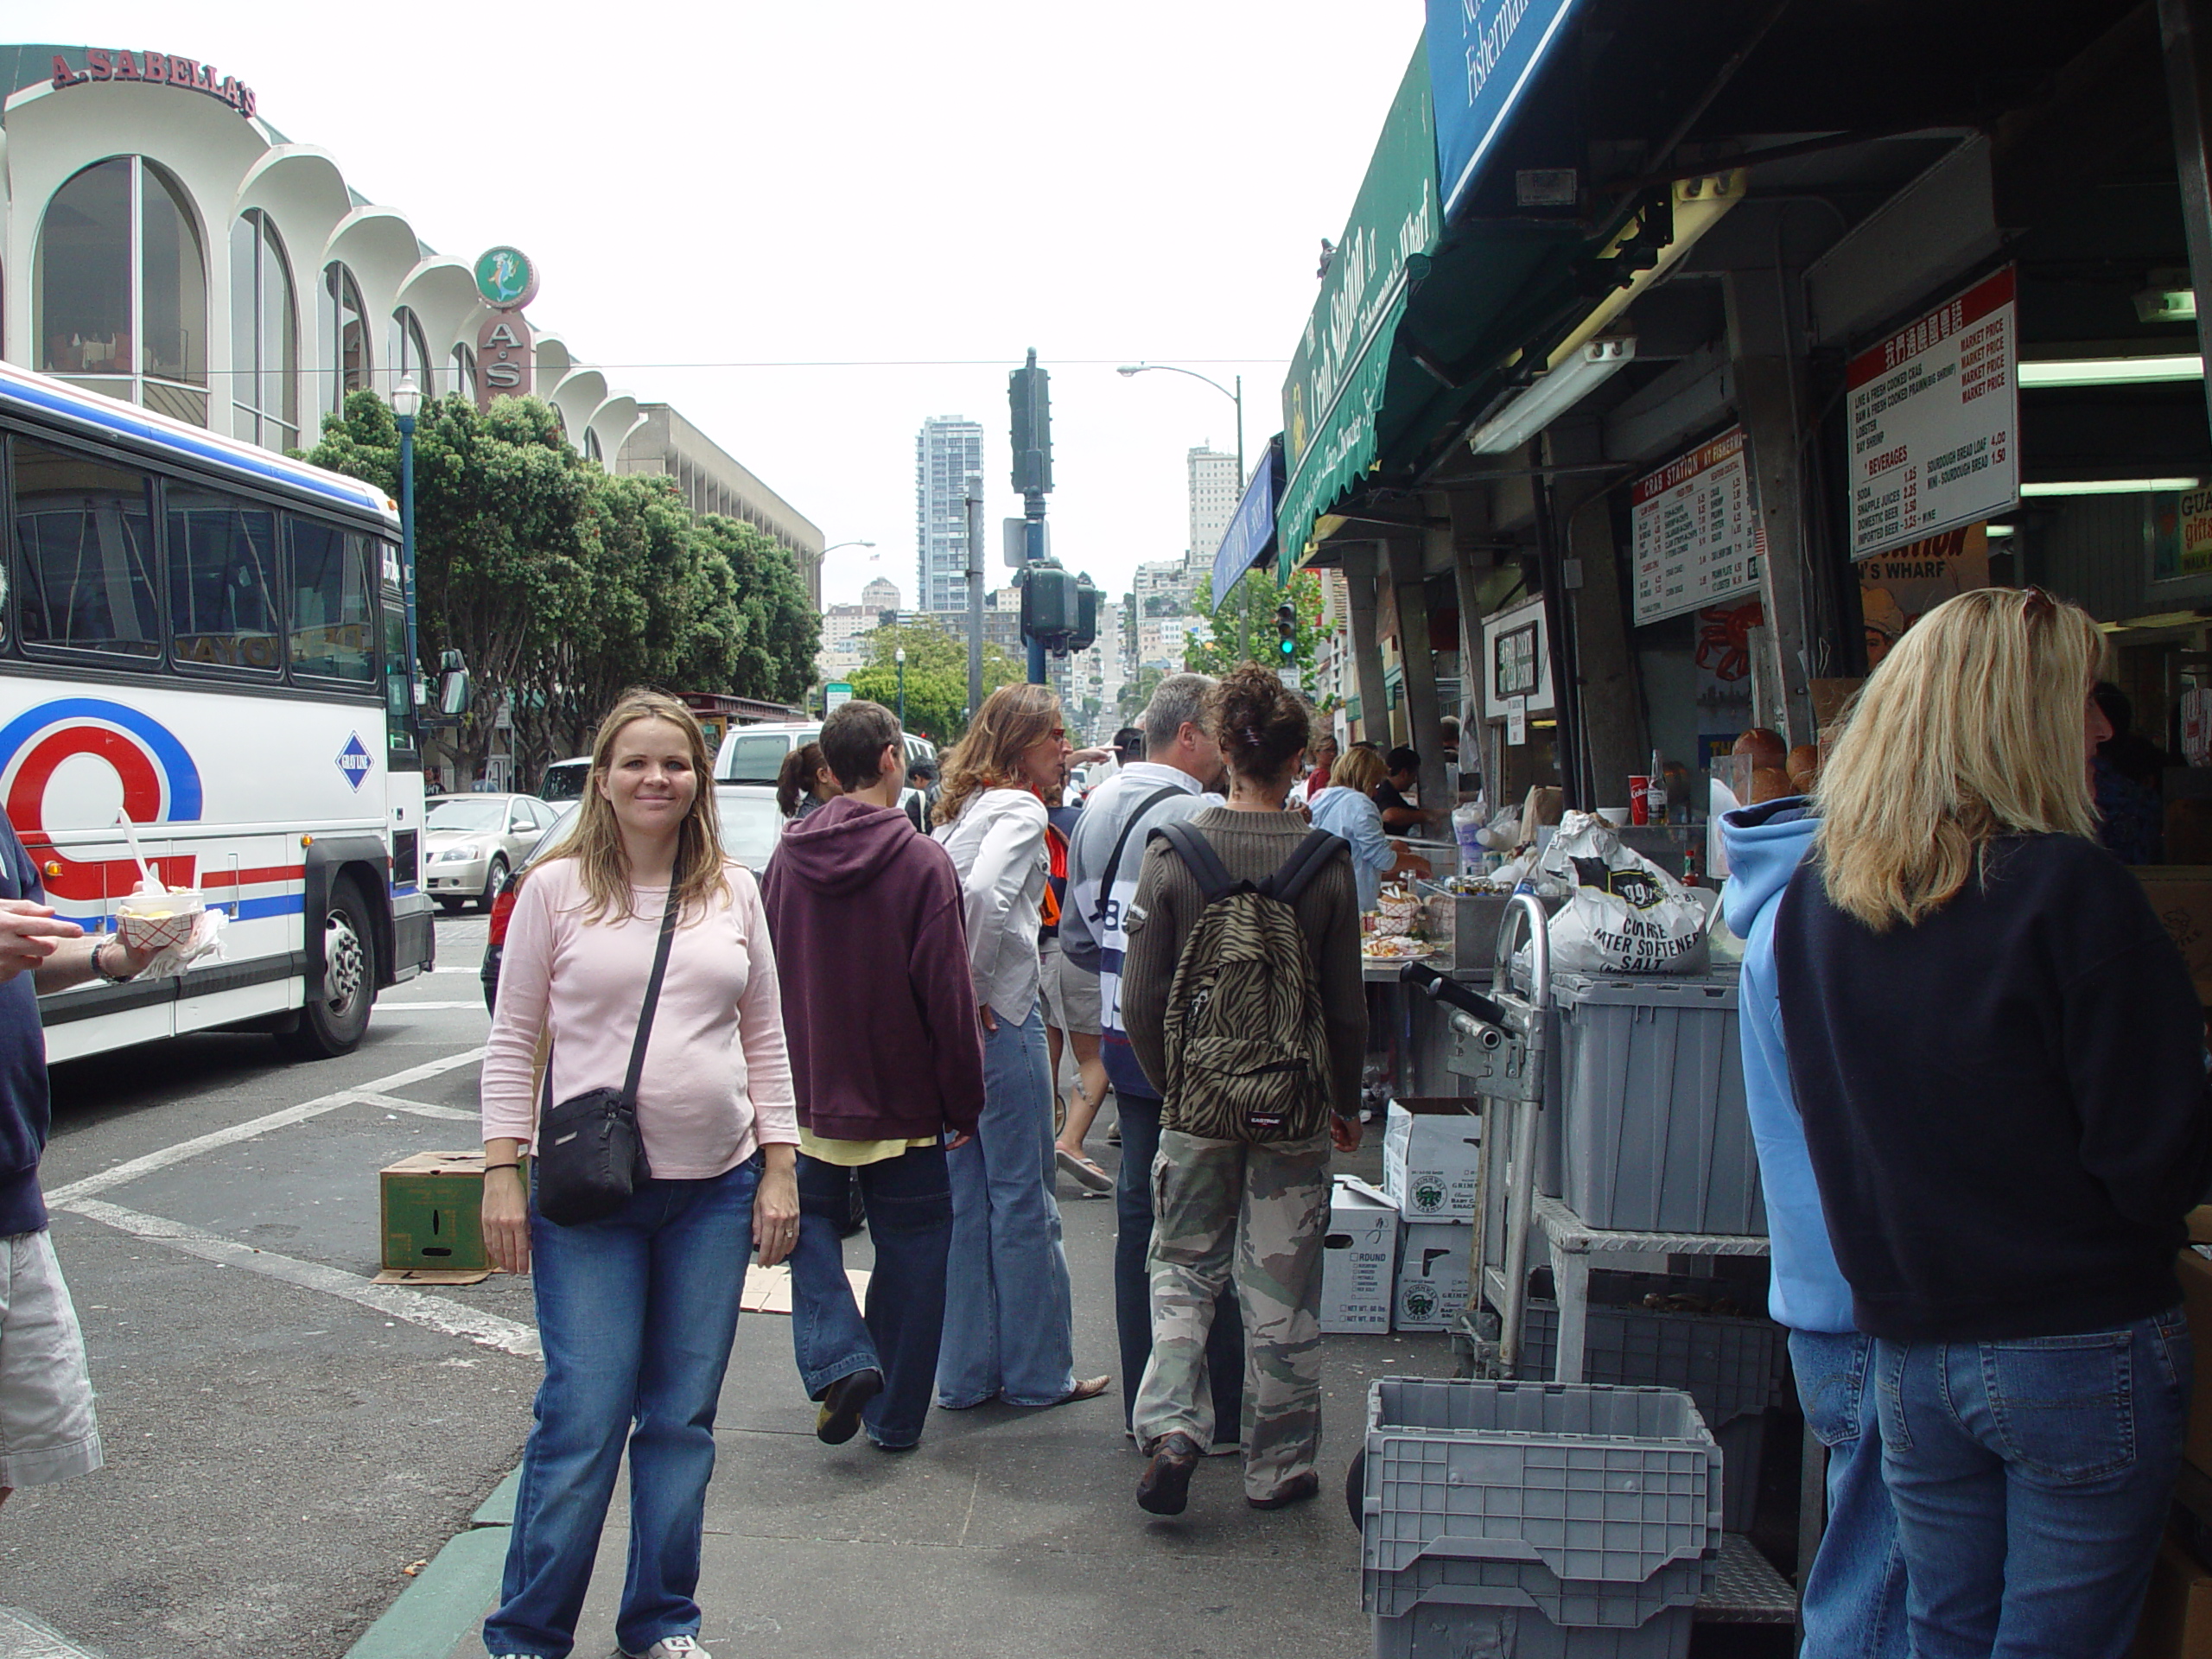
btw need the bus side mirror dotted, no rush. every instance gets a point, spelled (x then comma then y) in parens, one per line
(456, 692)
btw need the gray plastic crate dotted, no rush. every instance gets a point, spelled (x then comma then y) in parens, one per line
(1732, 1367)
(1593, 1506)
(1443, 1630)
(1655, 1134)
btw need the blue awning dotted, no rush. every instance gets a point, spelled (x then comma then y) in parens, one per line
(1251, 537)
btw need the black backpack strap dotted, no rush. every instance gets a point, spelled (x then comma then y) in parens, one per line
(1306, 860)
(1121, 844)
(1197, 852)
(652, 995)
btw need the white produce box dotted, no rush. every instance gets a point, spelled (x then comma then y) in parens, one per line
(1429, 1155)
(1434, 1262)
(1359, 1259)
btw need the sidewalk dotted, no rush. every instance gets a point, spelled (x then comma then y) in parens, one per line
(1010, 1532)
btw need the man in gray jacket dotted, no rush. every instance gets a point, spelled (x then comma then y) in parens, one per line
(1104, 854)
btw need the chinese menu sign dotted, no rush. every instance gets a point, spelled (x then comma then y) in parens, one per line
(1697, 540)
(1934, 421)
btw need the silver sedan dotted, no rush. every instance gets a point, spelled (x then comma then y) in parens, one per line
(471, 842)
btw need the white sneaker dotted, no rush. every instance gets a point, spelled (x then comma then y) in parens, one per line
(670, 1647)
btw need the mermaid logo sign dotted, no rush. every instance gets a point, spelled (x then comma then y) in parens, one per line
(506, 354)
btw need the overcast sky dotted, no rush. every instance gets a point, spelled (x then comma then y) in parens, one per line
(929, 189)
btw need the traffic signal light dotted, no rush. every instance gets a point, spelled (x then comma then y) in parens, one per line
(1286, 632)
(1028, 390)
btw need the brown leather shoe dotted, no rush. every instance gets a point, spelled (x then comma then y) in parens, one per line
(1296, 1489)
(1165, 1488)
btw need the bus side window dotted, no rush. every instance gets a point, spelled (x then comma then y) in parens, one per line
(332, 622)
(85, 529)
(222, 581)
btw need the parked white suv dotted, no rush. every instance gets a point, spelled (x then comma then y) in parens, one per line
(754, 754)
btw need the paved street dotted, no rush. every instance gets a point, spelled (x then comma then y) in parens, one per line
(284, 1438)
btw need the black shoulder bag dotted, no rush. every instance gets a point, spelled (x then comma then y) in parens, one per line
(589, 1155)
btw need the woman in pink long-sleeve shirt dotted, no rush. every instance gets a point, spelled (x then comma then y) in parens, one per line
(636, 1310)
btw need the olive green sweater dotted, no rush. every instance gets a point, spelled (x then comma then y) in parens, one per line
(1252, 846)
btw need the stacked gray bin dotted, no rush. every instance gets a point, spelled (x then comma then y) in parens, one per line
(1653, 1133)
(1732, 1365)
(1548, 1521)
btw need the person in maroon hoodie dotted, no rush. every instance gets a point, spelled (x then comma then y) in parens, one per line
(887, 1061)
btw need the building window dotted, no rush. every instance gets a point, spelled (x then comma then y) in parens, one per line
(264, 326)
(464, 372)
(120, 291)
(408, 354)
(345, 335)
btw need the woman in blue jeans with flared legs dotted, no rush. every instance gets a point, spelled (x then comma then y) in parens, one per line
(637, 1310)
(2000, 1061)
(1009, 1320)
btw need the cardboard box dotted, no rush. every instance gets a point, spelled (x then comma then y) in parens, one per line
(1429, 1152)
(1434, 1263)
(1359, 1259)
(2177, 1612)
(2182, 895)
(432, 1206)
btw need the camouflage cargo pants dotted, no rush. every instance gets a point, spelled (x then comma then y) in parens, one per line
(1268, 1207)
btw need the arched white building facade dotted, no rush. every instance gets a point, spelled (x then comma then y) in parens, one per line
(163, 247)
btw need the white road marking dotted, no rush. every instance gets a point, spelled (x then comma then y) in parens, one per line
(22, 1636)
(136, 1167)
(389, 1008)
(419, 1108)
(432, 1312)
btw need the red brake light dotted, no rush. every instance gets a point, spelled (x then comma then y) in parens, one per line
(503, 906)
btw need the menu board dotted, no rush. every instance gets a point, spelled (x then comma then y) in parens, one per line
(1935, 421)
(1697, 540)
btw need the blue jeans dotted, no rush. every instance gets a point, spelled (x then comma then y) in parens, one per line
(1853, 1603)
(2032, 1479)
(637, 1313)
(909, 1217)
(1224, 1372)
(1009, 1327)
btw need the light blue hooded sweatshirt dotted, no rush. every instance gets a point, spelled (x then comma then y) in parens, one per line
(1765, 843)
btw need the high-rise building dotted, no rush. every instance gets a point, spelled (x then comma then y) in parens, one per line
(947, 449)
(881, 595)
(1214, 490)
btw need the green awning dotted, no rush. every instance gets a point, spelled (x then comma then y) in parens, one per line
(1342, 362)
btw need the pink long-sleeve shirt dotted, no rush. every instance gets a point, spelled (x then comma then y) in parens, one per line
(717, 1080)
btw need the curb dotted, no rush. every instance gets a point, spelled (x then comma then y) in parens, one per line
(445, 1602)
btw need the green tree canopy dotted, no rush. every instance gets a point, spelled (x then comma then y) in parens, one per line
(936, 677)
(560, 583)
(1213, 650)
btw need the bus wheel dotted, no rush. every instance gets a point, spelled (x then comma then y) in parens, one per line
(334, 1022)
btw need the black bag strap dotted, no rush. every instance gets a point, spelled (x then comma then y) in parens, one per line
(644, 1017)
(1306, 860)
(1198, 854)
(652, 994)
(1129, 828)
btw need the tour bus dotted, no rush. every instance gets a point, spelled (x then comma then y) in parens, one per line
(212, 638)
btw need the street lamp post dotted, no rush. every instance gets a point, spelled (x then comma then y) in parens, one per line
(1243, 611)
(900, 656)
(406, 403)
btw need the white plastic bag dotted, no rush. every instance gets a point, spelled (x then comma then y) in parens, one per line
(1624, 915)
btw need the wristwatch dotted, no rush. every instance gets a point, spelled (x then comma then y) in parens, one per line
(99, 967)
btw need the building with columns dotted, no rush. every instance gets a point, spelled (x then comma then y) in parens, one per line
(165, 245)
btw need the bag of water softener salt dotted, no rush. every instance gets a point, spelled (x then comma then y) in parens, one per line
(1623, 914)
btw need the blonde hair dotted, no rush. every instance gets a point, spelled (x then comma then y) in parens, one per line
(989, 756)
(1357, 769)
(595, 840)
(1971, 728)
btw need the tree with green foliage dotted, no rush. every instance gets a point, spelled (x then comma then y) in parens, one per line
(1213, 650)
(561, 584)
(1136, 691)
(936, 677)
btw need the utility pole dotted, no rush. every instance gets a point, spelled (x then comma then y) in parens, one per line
(975, 593)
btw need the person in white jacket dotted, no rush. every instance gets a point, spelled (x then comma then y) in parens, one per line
(1009, 1320)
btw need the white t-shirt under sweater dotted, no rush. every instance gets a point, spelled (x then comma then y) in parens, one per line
(717, 1080)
